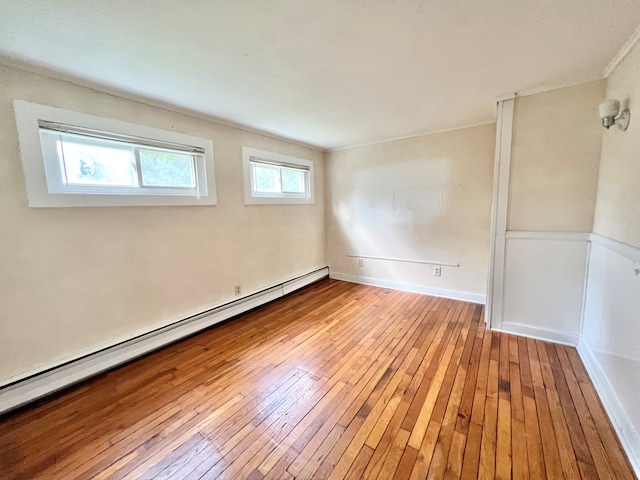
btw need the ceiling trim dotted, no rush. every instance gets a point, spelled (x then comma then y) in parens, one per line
(623, 52)
(535, 91)
(505, 96)
(407, 137)
(47, 72)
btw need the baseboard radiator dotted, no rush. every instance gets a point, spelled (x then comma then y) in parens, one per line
(41, 384)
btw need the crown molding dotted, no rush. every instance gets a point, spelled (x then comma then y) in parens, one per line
(549, 88)
(506, 96)
(407, 137)
(623, 52)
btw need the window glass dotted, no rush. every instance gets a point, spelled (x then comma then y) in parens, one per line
(277, 179)
(166, 169)
(293, 180)
(272, 178)
(266, 178)
(92, 163)
(99, 162)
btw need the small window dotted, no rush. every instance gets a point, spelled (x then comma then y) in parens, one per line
(74, 159)
(272, 178)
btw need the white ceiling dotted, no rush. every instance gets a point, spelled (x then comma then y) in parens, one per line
(330, 73)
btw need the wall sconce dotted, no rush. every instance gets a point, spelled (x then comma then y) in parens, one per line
(611, 115)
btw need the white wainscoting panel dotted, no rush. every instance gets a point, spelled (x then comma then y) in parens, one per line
(610, 344)
(544, 285)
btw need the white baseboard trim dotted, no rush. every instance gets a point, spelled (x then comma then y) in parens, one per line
(629, 437)
(539, 333)
(407, 287)
(39, 385)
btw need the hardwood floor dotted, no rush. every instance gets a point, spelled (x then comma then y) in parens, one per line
(336, 381)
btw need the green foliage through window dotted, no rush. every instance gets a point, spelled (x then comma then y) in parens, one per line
(166, 169)
(276, 179)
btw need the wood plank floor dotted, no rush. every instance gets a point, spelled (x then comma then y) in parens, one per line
(335, 381)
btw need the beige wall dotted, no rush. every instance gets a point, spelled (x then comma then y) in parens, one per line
(424, 198)
(555, 156)
(73, 280)
(618, 205)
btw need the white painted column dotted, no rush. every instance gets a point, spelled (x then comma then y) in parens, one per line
(495, 284)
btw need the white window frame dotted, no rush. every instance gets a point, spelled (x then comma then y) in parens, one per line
(251, 197)
(45, 187)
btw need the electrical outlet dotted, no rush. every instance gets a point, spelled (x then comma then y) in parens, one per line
(237, 290)
(360, 262)
(437, 271)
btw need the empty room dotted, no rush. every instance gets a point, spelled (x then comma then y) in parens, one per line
(319, 239)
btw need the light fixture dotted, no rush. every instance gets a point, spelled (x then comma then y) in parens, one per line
(611, 115)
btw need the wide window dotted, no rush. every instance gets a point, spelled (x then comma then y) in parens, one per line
(275, 178)
(73, 159)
